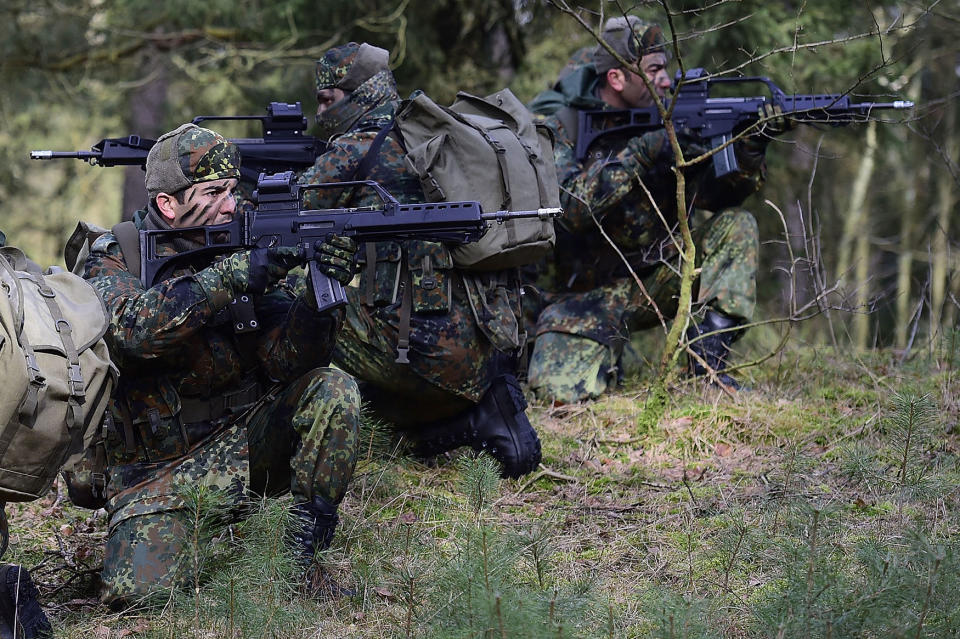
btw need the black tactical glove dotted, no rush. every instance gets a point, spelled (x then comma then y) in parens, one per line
(649, 152)
(336, 258)
(692, 145)
(652, 151)
(255, 270)
(772, 120)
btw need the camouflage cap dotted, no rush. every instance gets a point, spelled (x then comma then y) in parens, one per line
(348, 66)
(631, 37)
(188, 155)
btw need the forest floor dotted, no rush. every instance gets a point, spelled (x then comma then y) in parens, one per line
(821, 502)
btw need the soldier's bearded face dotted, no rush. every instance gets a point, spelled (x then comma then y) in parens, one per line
(635, 93)
(206, 203)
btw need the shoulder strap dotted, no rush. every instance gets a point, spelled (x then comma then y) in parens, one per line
(372, 157)
(569, 118)
(128, 236)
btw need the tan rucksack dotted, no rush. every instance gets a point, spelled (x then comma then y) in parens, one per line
(491, 151)
(87, 475)
(56, 371)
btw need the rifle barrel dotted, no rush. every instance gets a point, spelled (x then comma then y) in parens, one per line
(53, 155)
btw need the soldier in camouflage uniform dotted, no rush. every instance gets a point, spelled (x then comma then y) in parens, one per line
(430, 344)
(589, 302)
(202, 399)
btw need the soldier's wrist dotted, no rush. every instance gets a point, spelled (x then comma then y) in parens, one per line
(214, 286)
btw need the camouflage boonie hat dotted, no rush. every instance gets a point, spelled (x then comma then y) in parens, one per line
(631, 37)
(348, 66)
(188, 155)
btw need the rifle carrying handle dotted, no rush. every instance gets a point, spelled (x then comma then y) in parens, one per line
(327, 292)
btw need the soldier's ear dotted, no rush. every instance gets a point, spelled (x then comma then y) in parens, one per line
(166, 206)
(616, 79)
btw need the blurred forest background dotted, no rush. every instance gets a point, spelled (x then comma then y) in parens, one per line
(858, 223)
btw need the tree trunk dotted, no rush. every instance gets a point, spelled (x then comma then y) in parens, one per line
(945, 201)
(147, 108)
(909, 219)
(856, 227)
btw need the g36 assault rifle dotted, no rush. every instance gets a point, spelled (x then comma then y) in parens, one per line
(283, 146)
(718, 119)
(281, 220)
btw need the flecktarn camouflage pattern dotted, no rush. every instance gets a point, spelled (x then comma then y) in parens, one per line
(631, 37)
(456, 325)
(246, 414)
(589, 302)
(433, 346)
(188, 155)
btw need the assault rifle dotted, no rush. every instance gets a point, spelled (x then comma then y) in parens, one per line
(283, 146)
(280, 219)
(718, 119)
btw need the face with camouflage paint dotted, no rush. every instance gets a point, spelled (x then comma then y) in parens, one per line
(204, 203)
(624, 89)
(326, 98)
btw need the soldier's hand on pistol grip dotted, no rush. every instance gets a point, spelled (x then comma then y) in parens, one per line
(255, 270)
(336, 258)
(653, 151)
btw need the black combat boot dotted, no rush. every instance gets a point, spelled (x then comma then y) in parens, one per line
(21, 616)
(713, 348)
(497, 425)
(312, 532)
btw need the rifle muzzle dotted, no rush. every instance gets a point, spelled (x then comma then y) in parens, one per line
(503, 216)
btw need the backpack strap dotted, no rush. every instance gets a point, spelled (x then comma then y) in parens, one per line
(128, 236)
(501, 154)
(28, 408)
(74, 374)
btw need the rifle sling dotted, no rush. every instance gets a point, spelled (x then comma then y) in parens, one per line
(372, 157)
(128, 237)
(569, 118)
(371, 273)
(403, 331)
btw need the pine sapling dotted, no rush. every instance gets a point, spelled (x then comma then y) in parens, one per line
(912, 424)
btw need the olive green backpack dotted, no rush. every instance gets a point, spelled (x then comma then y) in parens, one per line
(56, 371)
(489, 150)
(86, 475)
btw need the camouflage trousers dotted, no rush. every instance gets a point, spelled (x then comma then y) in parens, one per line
(580, 337)
(302, 440)
(451, 365)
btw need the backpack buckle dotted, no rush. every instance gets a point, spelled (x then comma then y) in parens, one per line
(76, 381)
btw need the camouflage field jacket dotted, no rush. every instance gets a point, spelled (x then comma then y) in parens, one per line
(184, 370)
(429, 267)
(619, 187)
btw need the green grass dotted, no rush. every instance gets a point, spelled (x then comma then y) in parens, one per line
(797, 509)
